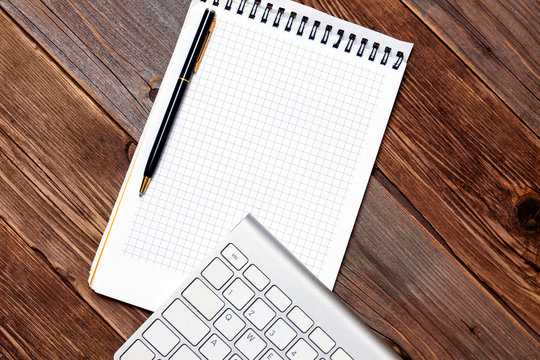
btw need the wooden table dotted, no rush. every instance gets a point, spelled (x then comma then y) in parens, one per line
(444, 258)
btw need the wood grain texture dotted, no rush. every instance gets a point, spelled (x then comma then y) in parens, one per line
(48, 198)
(40, 316)
(63, 161)
(393, 266)
(117, 50)
(473, 200)
(396, 276)
(463, 160)
(499, 39)
(55, 139)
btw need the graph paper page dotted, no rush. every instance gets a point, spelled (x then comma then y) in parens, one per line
(273, 125)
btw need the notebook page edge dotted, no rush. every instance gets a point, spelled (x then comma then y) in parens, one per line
(134, 173)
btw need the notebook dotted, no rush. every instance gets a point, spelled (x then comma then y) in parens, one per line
(283, 119)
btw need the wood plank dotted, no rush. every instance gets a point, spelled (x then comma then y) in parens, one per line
(499, 39)
(63, 161)
(117, 50)
(463, 160)
(468, 165)
(41, 317)
(438, 91)
(40, 190)
(4, 354)
(395, 269)
(397, 278)
(403, 311)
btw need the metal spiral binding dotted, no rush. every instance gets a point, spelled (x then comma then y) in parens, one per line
(363, 44)
(312, 34)
(241, 7)
(350, 44)
(340, 34)
(264, 18)
(316, 25)
(288, 27)
(277, 20)
(253, 11)
(326, 35)
(302, 26)
(374, 50)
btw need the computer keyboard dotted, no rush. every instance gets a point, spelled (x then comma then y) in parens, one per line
(253, 300)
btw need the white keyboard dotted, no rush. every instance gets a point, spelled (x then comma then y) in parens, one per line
(253, 300)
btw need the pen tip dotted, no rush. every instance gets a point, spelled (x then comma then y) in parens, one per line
(144, 186)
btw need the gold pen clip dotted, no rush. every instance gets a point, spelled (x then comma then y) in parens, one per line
(204, 46)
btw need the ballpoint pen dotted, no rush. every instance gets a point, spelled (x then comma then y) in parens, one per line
(191, 65)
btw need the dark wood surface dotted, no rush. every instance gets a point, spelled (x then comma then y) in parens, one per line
(443, 261)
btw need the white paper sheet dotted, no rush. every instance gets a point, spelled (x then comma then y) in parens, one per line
(273, 124)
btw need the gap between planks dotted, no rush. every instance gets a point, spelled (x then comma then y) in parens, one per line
(533, 126)
(378, 174)
(411, 209)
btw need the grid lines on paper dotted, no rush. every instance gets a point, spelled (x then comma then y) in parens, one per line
(266, 127)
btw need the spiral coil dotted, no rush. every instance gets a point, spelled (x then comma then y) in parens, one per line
(314, 29)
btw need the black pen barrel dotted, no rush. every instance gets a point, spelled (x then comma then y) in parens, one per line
(195, 52)
(198, 44)
(165, 128)
(191, 65)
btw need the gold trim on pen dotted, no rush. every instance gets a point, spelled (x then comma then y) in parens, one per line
(205, 45)
(181, 78)
(144, 185)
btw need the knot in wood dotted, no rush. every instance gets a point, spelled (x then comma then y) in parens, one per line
(528, 214)
(152, 94)
(131, 146)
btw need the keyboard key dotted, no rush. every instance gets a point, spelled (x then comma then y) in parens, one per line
(340, 354)
(217, 273)
(203, 299)
(160, 337)
(271, 355)
(137, 351)
(234, 256)
(238, 293)
(322, 340)
(300, 319)
(278, 298)
(281, 334)
(259, 314)
(229, 324)
(250, 344)
(302, 351)
(256, 277)
(186, 322)
(236, 357)
(215, 349)
(184, 353)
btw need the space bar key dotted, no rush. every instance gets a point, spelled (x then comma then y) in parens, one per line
(186, 322)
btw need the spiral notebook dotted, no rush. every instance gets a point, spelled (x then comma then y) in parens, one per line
(283, 119)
